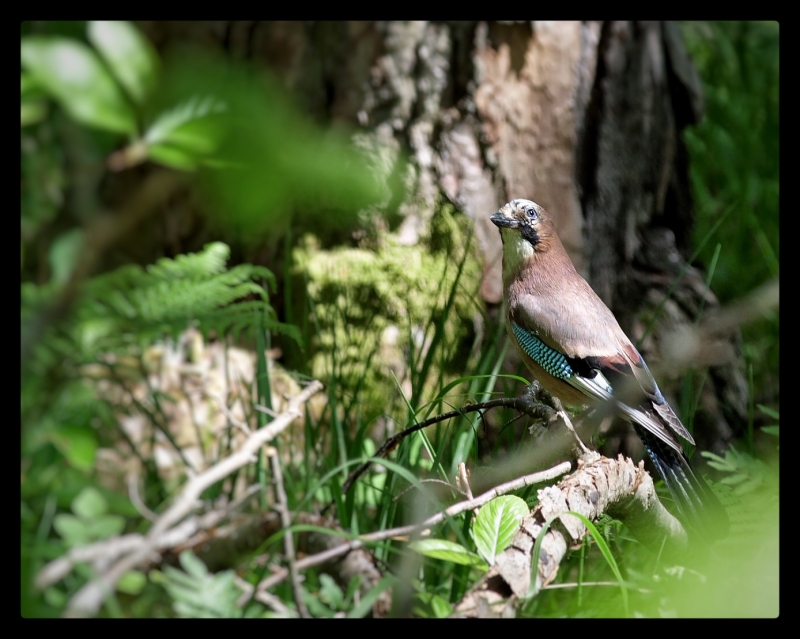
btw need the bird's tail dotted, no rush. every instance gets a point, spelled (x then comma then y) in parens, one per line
(698, 506)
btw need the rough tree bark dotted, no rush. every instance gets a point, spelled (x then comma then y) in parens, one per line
(584, 118)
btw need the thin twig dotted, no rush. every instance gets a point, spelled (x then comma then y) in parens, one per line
(136, 498)
(463, 480)
(281, 504)
(242, 426)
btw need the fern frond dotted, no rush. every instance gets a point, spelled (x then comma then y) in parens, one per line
(132, 306)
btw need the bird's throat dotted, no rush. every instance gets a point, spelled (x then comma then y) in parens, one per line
(516, 253)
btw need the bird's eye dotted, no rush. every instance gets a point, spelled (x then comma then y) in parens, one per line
(532, 213)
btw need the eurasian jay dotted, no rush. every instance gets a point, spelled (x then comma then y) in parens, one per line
(573, 345)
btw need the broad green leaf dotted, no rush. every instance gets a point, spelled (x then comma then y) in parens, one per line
(71, 72)
(447, 551)
(496, 524)
(89, 503)
(129, 55)
(182, 136)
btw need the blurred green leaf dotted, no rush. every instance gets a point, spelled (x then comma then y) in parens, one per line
(496, 524)
(431, 605)
(447, 551)
(770, 412)
(330, 592)
(364, 606)
(32, 112)
(89, 503)
(181, 137)
(105, 526)
(55, 597)
(77, 443)
(132, 582)
(200, 593)
(129, 55)
(72, 529)
(270, 161)
(173, 157)
(64, 253)
(71, 72)
(32, 108)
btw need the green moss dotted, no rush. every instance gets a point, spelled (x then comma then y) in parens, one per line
(372, 307)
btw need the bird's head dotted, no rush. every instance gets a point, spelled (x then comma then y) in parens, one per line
(524, 220)
(526, 230)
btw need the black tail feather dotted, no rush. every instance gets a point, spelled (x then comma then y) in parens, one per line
(699, 508)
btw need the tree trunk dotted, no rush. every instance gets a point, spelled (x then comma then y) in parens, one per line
(583, 118)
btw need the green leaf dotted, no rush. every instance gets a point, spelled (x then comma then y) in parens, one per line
(330, 593)
(183, 136)
(72, 530)
(316, 607)
(89, 503)
(32, 112)
(193, 565)
(129, 55)
(364, 606)
(32, 108)
(173, 157)
(54, 597)
(78, 444)
(132, 582)
(602, 544)
(64, 253)
(447, 551)
(199, 593)
(432, 605)
(105, 526)
(496, 524)
(71, 72)
(770, 412)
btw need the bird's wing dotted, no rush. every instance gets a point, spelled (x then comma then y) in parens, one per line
(598, 354)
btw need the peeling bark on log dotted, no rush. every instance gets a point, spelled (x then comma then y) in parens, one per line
(602, 485)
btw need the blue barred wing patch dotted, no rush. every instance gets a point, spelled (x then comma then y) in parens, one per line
(548, 358)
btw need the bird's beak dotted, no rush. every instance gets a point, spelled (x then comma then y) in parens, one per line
(502, 221)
